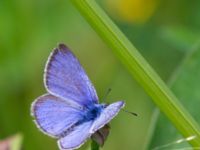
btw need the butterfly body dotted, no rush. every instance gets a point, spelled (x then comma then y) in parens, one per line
(93, 112)
(70, 111)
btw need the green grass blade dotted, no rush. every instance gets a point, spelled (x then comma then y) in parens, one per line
(94, 145)
(139, 68)
(185, 84)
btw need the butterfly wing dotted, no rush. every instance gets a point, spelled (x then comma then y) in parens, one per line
(53, 115)
(65, 78)
(76, 138)
(107, 115)
(83, 131)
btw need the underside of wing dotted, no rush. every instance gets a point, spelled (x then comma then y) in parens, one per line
(53, 115)
(107, 115)
(65, 77)
(75, 138)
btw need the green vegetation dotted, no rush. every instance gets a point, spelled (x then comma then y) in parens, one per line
(168, 41)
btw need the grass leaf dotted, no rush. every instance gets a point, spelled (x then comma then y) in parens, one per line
(186, 86)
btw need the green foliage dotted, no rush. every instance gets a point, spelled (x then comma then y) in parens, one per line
(140, 69)
(180, 37)
(186, 86)
(29, 30)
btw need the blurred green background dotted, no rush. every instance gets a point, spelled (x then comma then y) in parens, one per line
(163, 31)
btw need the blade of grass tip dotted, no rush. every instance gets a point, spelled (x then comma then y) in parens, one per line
(139, 69)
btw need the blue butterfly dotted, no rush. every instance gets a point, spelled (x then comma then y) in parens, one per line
(70, 111)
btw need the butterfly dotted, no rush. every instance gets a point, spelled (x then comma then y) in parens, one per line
(70, 111)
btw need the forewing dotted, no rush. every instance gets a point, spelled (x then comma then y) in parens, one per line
(65, 77)
(75, 138)
(53, 115)
(107, 115)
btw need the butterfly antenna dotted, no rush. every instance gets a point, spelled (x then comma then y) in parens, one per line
(106, 94)
(132, 113)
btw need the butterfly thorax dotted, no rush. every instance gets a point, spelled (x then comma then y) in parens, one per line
(93, 112)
